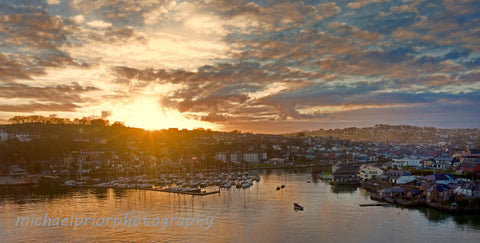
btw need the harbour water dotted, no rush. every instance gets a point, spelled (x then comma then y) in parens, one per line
(259, 213)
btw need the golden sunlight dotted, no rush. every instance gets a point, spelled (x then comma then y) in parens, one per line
(145, 112)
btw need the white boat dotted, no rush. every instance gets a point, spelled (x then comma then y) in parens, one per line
(70, 183)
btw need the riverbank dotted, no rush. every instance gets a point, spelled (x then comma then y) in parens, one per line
(451, 207)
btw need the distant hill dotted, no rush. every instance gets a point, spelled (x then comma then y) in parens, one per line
(400, 134)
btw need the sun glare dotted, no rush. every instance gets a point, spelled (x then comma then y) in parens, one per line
(146, 112)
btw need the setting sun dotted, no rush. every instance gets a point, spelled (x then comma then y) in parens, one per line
(146, 112)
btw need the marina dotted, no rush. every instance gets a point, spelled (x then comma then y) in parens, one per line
(197, 184)
(239, 214)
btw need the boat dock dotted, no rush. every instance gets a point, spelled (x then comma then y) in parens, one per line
(202, 193)
(191, 193)
(373, 204)
(8, 181)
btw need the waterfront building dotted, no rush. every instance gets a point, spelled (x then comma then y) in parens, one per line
(414, 194)
(235, 158)
(399, 176)
(254, 157)
(465, 189)
(368, 172)
(395, 191)
(439, 193)
(222, 156)
(345, 174)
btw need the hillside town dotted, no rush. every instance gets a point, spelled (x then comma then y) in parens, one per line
(452, 185)
(433, 170)
(99, 148)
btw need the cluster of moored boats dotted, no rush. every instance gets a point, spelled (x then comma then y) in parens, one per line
(222, 180)
(189, 182)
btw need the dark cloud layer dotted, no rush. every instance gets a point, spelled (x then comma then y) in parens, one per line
(286, 62)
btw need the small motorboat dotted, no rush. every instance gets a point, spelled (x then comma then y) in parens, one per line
(278, 188)
(297, 206)
(283, 186)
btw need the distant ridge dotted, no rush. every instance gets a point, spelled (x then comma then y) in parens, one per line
(398, 134)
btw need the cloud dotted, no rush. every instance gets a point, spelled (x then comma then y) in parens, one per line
(99, 24)
(37, 106)
(10, 70)
(438, 79)
(354, 33)
(361, 3)
(32, 40)
(57, 93)
(53, 2)
(470, 77)
(78, 19)
(34, 29)
(404, 9)
(106, 114)
(125, 12)
(250, 17)
(327, 10)
(403, 34)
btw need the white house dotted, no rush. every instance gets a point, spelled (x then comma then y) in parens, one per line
(368, 172)
(403, 179)
(466, 189)
(3, 136)
(234, 158)
(399, 177)
(439, 164)
(20, 136)
(277, 147)
(399, 163)
(221, 156)
(414, 162)
(254, 157)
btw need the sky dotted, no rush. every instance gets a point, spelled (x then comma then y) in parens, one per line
(261, 66)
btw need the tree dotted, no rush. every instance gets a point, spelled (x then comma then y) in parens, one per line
(99, 122)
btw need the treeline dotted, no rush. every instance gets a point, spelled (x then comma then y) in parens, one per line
(58, 120)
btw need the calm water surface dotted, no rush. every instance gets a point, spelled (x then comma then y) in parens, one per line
(259, 213)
